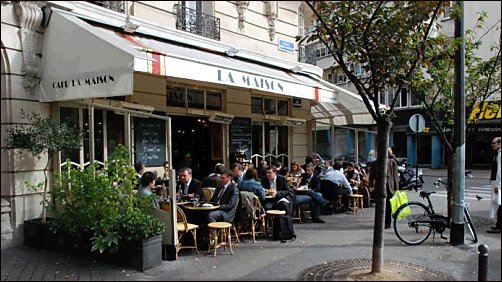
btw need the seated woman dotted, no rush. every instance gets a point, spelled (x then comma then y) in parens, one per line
(296, 170)
(251, 183)
(147, 182)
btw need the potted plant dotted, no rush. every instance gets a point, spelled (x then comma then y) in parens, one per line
(41, 136)
(100, 207)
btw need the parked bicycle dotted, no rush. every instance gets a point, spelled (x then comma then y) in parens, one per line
(414, 221)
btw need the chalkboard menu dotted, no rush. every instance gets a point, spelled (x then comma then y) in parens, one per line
(150, 141)
(240, 136)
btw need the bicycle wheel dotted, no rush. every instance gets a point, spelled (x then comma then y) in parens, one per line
(469, 225)
(412, 223)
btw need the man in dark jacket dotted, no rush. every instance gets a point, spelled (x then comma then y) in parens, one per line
(213, 180)
(226, 196)
(279, 190)
(189, 188)
(310, 179)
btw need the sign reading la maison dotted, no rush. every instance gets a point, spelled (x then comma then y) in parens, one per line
(247, 80)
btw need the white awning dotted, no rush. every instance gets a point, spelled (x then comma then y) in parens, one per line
(80, 61)
(189, 63)
(350, 110)
(84, 61)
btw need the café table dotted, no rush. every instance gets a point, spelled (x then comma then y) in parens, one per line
(199, 213)
(202, 208)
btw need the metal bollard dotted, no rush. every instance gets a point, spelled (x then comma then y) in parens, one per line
(483, 262)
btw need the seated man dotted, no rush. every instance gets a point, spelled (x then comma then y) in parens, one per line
(281, 195)
(352, 176)
(344, 189)
(189, 188)
(213, 180)
(312, 180)
(226, 196)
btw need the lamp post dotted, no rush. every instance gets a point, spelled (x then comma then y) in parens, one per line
(457, 226)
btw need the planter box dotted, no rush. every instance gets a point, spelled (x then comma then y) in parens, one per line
(32, 230)
(63, 242)
(35, 232)
(139, 255)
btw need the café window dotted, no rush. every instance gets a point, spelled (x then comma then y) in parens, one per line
(186, 97)
(108, 132)
(175, 96)
(282, 107)
(195, 98)
(213, 101)
(256, 105)
(269, 106)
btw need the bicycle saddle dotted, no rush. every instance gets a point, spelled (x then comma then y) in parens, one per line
(424, 194)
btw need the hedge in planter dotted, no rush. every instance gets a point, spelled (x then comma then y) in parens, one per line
(102, 203)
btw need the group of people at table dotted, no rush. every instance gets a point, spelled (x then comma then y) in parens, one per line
(275, 188)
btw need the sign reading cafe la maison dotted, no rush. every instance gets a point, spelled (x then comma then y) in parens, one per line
(94, 80)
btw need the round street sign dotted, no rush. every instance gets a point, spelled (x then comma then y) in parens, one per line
(417, 122)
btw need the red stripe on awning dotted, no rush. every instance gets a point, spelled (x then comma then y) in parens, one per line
(316, 94)
(156, 63)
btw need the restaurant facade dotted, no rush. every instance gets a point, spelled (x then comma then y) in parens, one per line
(193, 83)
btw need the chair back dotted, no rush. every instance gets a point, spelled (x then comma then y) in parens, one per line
(208, 193)
(246, 210)
(234, 209)
(181, 218)
(327, 189)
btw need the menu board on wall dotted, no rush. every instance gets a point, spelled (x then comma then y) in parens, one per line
(240, 136)
(150, 141)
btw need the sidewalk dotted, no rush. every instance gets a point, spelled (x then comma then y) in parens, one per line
(343, 237)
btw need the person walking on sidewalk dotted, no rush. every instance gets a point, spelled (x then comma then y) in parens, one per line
(495, 184)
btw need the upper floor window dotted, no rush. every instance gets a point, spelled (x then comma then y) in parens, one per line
(447, 12)
(301, 21)
(406, 98)
(118, 6)
(196, 17)
(194, 98)
(269, 106)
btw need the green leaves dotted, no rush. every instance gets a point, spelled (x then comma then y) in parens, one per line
(43, 135)
(388, 39)
(103, 202)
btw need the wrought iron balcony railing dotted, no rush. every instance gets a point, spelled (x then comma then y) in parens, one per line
(196, 22)
(117, 6)
(306, 53)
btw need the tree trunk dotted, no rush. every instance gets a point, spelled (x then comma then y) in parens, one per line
(381, 194)
(44, 195)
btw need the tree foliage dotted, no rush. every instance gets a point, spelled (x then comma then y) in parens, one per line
(42, 136)
(434, 84)
(390, 40)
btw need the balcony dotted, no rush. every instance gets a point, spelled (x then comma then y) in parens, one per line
(196, 22)
(117, 6)
(307, 53)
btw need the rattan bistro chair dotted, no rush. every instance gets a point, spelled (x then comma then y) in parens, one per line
(184, 228)
(208, 193)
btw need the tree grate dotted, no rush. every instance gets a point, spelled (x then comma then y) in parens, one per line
(340, 270)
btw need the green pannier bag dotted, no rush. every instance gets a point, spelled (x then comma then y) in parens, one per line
(400, 198)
